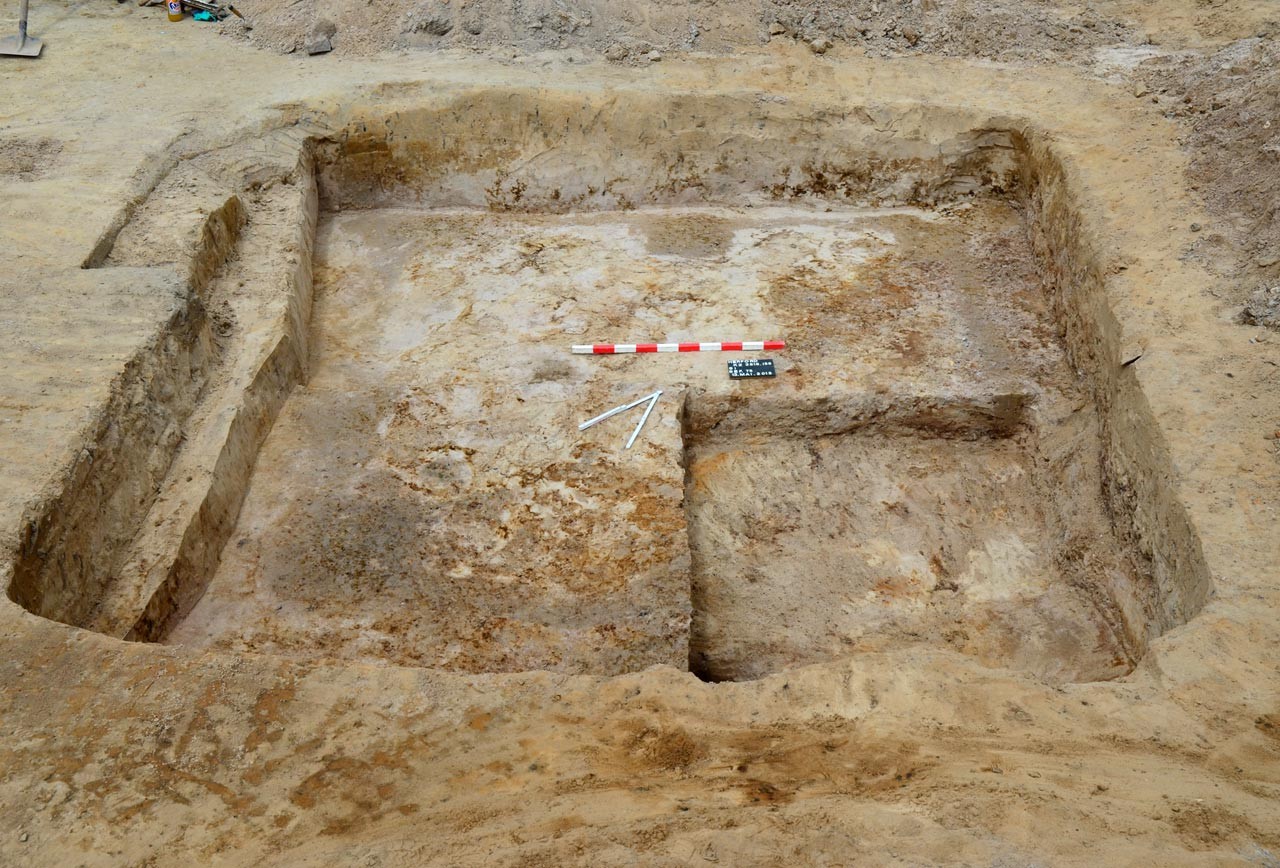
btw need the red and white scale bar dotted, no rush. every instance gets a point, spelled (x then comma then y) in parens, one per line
(722, 346)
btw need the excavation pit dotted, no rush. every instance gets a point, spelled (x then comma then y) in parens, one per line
(426, 498)
(935, 468)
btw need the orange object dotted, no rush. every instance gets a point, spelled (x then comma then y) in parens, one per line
(175, 10)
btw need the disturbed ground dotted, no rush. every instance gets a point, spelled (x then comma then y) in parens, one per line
(131, 753)
(1036, 31)
(1228, 100)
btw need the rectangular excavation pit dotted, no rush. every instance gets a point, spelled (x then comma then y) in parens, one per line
(940, 463)
(426, 498)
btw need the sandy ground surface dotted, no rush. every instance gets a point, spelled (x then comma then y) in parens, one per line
(128, 753)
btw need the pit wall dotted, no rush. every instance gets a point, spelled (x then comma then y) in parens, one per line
(172, 588)
(70, 550)
(554, 152)
(1141, 491)
(76, 549)
(71, 545)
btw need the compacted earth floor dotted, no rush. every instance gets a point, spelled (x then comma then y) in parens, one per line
(427, 498)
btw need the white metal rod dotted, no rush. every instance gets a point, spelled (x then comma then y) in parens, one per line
(616, 410)
(644, 418)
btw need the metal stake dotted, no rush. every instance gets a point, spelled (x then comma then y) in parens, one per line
(644, 418)
(616, 410)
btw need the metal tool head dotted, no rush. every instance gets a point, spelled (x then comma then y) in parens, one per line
(17, 46)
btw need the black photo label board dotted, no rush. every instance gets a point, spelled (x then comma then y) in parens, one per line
(746, 369)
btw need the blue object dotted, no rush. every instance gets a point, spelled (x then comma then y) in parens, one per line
(204, 16)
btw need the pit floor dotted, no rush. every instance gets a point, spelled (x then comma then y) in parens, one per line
(427, 499)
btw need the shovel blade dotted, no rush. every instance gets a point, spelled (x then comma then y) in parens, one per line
(17, 47)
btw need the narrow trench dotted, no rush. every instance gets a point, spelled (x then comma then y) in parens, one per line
(700, 663)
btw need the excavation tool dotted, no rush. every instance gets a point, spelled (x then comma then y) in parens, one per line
(21, 45)
(650, 399)
(720, 346)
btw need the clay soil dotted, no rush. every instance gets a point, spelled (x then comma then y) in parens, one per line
(308, 563)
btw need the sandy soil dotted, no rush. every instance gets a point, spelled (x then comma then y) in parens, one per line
(1159, 119)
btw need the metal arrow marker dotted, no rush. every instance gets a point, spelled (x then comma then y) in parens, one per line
(651, 399)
